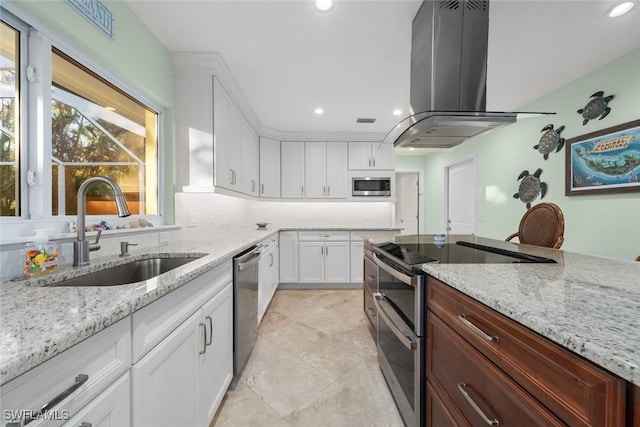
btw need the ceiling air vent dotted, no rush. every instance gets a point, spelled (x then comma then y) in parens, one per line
(361, 120)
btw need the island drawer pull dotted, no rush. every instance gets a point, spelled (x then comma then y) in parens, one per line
(492, 422)
(80, 379)
(476, 330)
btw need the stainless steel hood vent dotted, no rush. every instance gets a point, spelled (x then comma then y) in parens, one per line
(448, 76)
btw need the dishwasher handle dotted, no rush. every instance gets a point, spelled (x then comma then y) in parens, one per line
(247, 260)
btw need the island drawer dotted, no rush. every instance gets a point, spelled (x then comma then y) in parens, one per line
(474, 387)
(319, 236)
(577, 391)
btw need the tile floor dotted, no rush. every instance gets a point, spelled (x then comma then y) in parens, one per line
(314, 364)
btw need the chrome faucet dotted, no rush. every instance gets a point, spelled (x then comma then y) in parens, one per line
(82, 247)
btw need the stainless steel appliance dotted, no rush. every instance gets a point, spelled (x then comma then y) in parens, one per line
(245, 306)
(372, 186)
(401, 311)
(449, 47)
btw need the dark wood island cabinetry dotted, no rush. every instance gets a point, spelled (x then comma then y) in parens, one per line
(484, 367)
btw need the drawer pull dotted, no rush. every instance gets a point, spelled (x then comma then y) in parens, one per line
(462, 387)
(372, 311)
(476, 330)
(371, 278)
(210, 340)
(85, 424)
(80, 379)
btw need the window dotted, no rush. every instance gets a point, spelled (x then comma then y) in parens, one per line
(9, 121)
(96, 129)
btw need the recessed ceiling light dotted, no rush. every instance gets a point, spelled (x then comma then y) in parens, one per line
(397, 112)
(412, 148)
(324, 5)
(110, 108)
(621, 9)
(318, 111)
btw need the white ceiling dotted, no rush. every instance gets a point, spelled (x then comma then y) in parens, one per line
(353, 61)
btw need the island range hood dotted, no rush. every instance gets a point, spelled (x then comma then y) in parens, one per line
(448, 76)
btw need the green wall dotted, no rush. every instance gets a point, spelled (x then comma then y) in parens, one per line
(603, 225)
(134, 56)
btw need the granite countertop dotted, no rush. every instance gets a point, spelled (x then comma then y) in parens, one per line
(39, 322)
(587, 304)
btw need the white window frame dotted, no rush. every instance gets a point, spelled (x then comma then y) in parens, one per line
(37, 41)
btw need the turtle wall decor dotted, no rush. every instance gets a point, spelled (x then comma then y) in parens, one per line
(597, 106)
(530, 187)
(550, 140)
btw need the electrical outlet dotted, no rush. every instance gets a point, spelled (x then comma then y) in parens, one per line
(163, 238)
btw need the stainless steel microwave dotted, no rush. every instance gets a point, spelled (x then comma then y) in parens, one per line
(371, 186)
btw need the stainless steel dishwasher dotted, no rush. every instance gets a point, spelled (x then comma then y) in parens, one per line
(245, 306)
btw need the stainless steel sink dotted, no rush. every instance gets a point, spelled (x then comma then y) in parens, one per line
(131, 272)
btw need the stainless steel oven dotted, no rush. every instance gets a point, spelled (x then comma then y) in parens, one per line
(401, 341)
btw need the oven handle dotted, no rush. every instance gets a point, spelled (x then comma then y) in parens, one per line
(404, 278)
(406, 337)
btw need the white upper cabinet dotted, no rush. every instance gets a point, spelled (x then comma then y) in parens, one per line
(292, 170)
(370, 155)
(269, 168)
(325, 170)
(250, 160)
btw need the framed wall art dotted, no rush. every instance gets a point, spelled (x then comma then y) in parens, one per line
(606, 161)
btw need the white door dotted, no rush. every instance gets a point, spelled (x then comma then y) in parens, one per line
(382, 156)
(222, 135)
(111, 408)
(251, 159)
(337, 268)
(314, 170)
(269, 168)
(216, 363)
(236, 122)
(407, 206)
(292, 169)
(288, 257)
(311, 262)
(461, 198)
(165, 381)
(357, 262)
(336, 170)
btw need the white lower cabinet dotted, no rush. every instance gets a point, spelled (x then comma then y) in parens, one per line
(289, 257)
(337, 265)
(311, 262)
(268, 274)
(357, 260)
(182, 379)
(324, 257)
(112, 408)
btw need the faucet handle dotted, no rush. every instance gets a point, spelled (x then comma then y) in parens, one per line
(95, 246)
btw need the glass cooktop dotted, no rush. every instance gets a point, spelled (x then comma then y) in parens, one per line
(460, 252)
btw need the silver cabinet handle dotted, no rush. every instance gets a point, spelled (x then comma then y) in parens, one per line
(328, 190)
(261, 188)
(271, 260)
(204, 339)
(374, 162)
(302, 190)
(326, 250)
(80, 379)
(253, 185)
(210, 340)
(369, 161)
(231, 176)
(85, 424)
(462, 387)
(475, 329)
(322, 250)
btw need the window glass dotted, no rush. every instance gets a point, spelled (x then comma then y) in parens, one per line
(9, 121)
(99, 130)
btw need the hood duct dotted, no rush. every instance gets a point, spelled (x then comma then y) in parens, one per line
(448, 76)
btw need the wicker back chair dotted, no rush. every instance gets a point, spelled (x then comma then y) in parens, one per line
(541, 225)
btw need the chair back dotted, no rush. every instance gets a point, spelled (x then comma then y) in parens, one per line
(542, 225)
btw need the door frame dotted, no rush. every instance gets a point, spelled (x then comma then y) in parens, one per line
(445, 208)
(420, 172)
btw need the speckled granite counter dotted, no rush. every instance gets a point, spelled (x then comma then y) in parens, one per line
(586, 304)
(39, 322)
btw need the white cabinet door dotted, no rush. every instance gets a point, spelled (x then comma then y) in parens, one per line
(337, 268)
(234, 149)
(383, 156)
(357, 261)
(269, 168)
(263, 283)
(216, 363)
(359, 155)
(289, 257)
(222, 135)
(250, 160)
(311, 262)
(336, 170)
(292, 169)
(315, 168)
(165, 381)
(111, 408)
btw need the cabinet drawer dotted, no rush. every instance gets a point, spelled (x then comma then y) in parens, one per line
(320, 236)
(368, 250)
(578, 392)
(370, 308)
(464, 376)
(371, 275)
(356, 236)
(102, 357)
(156, 321)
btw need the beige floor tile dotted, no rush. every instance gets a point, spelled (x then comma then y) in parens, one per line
(288, 384)
(242, 408)
(264, 355)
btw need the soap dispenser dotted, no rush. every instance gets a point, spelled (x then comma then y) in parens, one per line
(41, 256)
